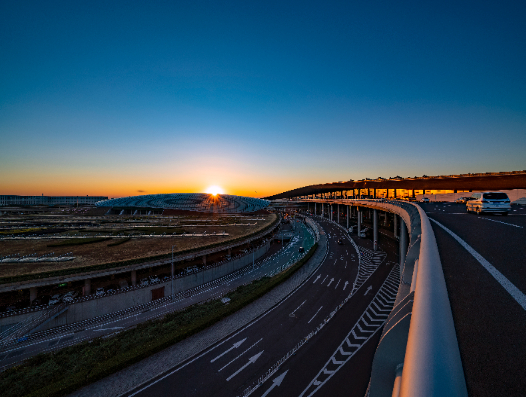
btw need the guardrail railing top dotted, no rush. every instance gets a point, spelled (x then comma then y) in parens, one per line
(432, 365)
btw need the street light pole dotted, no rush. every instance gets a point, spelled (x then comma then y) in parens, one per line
(172, 272)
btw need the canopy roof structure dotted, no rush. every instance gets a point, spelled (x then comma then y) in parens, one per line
(198, 202)
(480, 181)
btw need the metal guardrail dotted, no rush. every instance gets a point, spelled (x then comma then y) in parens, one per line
(418, 353)
(432, 364)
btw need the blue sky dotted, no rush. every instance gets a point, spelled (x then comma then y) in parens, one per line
(115, 97)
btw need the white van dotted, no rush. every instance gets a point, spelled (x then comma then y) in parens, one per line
(489, 202)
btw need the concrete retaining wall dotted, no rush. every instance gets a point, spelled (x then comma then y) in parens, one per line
(108, 304)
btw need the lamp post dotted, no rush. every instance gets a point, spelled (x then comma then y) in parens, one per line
(172, 272)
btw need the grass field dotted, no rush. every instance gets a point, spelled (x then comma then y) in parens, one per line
(98, 252)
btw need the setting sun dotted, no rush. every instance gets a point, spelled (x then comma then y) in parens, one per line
(214, 190)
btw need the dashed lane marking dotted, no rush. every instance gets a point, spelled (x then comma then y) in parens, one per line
(502, 280)
(308, 322)
(369, 323)
(504, 223)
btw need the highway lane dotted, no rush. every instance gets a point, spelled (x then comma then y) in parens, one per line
(114, 323)
(242, 360)
(489, 320)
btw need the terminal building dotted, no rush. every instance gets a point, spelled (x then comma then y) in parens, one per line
(7, 200)
(184, 202)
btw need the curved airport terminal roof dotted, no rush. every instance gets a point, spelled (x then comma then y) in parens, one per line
(199, 202)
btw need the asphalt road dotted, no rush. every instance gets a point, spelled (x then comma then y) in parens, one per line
(335, 343)
(490, 316)
(117, 322)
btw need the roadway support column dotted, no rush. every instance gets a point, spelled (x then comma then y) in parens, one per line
(322, 213)
(375, 230)
(395, 229)
(87, 287)
(314, 208)
(134, 278)
(204, 260)
(32, 294)
(347, 217)
(403, 243)
(358, 215)
(338, 214)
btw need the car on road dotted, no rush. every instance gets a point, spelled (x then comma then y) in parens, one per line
(144, 282)
(69, 296)
(154, 279)
(99, 292)
(497, 202)
(340, 241)
(301, 249)
(462, 200)
(54, 299)
(424, 200)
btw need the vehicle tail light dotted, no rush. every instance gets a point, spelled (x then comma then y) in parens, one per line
(484, 201)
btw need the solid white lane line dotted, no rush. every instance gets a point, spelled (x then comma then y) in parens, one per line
(504, 223)
(507, 284)
(314, 315)
(337, 283)
(230, 362)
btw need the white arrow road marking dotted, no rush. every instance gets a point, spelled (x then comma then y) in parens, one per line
(292, 314)
(325, 279)
(231, 361)
(345, 285)
(314, 315)
(332, 279)
(234, 346)
(337, 283)
(317, 278)
(368, 289)
(251, 360)
(276, 383)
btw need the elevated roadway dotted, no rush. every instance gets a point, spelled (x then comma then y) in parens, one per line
(70, 334)
(323, 333)
(483, 258)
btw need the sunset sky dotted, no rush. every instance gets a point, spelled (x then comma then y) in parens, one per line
(124, 98)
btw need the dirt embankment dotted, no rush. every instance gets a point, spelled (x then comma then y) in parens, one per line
(98, 253)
